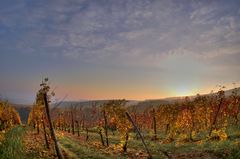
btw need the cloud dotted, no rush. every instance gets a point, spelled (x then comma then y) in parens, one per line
(204, 15)
(127, 32)
(54, 40)
(163, 42)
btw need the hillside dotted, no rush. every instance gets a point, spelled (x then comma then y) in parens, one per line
(23, 111)
(141, 105)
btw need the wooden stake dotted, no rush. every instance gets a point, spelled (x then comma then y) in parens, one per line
(59, 154)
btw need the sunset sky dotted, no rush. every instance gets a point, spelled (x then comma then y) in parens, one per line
(105, 49)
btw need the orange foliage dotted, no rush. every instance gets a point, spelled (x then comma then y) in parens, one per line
(8, 116)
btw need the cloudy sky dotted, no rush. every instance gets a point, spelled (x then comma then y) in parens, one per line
(134, 49)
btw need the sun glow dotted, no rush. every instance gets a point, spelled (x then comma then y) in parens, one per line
(183, 91)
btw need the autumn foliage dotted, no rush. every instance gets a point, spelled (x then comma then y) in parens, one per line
(189, 119)
(8, 116)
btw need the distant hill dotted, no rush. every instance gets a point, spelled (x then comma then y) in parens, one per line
(174, 99)
(91, 103)
(229, 92)
(82, 103)
(141, 105)
(23, 111)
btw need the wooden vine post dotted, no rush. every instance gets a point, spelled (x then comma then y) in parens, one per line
(139, 133)
(59, 154)
(106, 126)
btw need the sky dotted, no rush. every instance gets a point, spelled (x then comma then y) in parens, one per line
(111, 49)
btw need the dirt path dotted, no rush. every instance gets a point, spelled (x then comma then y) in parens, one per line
(35, 145)
(77, 147)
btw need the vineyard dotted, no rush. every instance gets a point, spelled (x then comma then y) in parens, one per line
(206, 126)
(128, 79)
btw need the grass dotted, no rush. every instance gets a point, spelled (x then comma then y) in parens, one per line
(12, 146)
(76, 149)
(226, 149)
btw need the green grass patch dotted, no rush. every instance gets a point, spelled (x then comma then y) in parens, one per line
(12, 146)
(76, 149)
(201, 147)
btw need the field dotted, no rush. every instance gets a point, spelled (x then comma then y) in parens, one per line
(203, 126)
(25, 142)
(120, 79)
